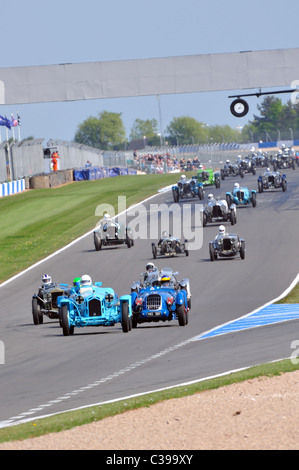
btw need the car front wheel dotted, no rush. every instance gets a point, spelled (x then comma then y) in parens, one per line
(125, 321)
(67, 329)
(36, 313)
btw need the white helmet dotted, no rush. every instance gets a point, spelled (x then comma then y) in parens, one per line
(221, 230)
(200, 167)
(106, 216)
(236, 185)
(150, 267)
(183, 177)
(210, 196)
(86, 280)
(46, 279)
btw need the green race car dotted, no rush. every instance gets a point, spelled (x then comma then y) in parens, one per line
(207, 177)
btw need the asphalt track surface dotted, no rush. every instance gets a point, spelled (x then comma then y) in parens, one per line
(46, 373)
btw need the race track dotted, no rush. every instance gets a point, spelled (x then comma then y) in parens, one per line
(45, 372)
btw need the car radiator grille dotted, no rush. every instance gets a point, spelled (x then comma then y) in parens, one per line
(227, 244)
(94, 308)
(240, 195)
(153, 302)
(54, 299)
(217, 211)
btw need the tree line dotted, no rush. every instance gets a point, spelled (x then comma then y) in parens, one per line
(276, 121)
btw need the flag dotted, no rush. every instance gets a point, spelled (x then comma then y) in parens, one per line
(4, 121)
(13, 121)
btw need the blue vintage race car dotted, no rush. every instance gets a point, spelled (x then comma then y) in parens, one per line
(272, 180)
(94, 306)
(161, 298)
(241, 197)
(187, 188)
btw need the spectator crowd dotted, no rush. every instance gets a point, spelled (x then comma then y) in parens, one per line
(163, 163)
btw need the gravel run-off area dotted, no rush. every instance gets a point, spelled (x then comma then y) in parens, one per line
(259, 414)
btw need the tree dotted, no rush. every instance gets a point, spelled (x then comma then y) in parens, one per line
(186, 130)
(145, 128)
(102, 132)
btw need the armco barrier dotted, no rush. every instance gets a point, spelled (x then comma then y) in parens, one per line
(12, 187)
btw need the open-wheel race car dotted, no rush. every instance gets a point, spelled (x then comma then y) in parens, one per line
(272, 180)
(169, 246)
(226, 245)
(231, 169)
(187, 188)
(208, 177)
(218, 210)
(161, 298)
(108, 233)
(93, 305)
(246, 164)
(45, 301)
(241, 196)
(284, 159)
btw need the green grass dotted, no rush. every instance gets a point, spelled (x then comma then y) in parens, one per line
(68, 420)
(36, 223)
(291, 298)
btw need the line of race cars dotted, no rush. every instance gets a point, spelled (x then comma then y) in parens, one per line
(159, 295)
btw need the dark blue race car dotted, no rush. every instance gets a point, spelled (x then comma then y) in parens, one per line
(187, 188)
(272, 180)
(161, 297)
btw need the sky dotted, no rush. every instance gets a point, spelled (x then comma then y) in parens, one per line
(35, 32)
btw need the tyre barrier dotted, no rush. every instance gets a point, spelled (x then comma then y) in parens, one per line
(51, 180)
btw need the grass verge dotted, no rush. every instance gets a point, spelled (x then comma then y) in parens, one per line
(68, 420)
(291, 298)
(38, 222)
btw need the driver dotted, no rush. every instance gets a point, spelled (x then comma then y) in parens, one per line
(76, 284)
(86, 283)
(46, 280)
(150, 269)
(221, 232)
(165, 281)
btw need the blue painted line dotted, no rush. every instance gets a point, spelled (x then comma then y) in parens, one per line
(274, 313)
